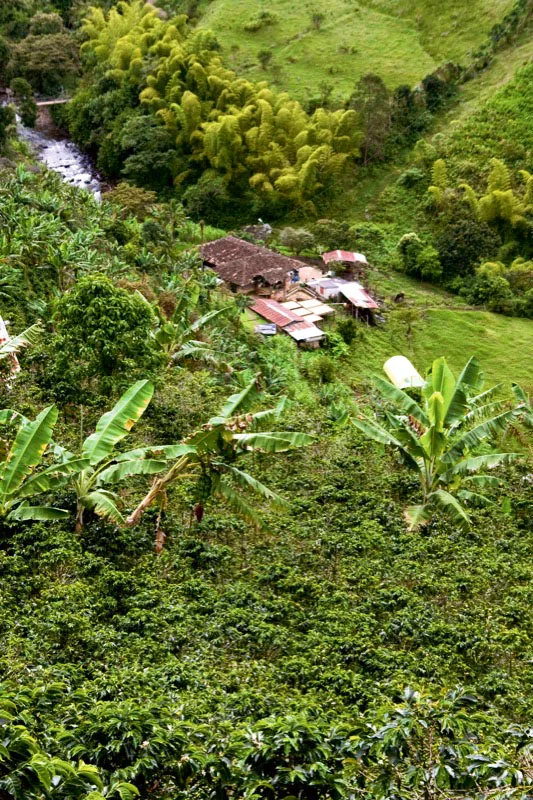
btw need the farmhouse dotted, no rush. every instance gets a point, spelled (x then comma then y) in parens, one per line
(249, 268)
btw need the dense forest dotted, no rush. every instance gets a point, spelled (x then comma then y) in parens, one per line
(230, 566)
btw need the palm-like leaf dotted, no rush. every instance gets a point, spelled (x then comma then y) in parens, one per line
(272, 441)
(44, 513)
(451, 506)
(27, 450)
(28, 337)
(104, 504)
(118, 472)
(116, 424)
(401, 400)
(247, 481)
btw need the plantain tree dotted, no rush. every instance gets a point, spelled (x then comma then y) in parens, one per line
(209, 457)
(177, 335)
(14, 344)
(439, 439)
(18, 481)
(99, 467)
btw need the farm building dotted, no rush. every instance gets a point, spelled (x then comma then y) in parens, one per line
(299, 328)
(346, 263)
(360, 304)
(249, 268)
(328, 288)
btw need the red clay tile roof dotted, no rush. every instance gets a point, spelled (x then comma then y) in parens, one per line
(240, 262)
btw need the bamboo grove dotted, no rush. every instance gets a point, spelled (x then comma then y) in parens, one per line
(159, 99)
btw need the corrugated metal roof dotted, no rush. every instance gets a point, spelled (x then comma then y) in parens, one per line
(305, 332)
(274, 311)
(358, 296)
(344, 255)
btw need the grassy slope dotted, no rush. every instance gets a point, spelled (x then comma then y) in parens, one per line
(502, 344)
(400, 44)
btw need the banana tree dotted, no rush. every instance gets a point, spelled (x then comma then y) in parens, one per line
(438, 439)
(17, 483)
(176, 336)
(10, 346)
(99, 467)
(209, 457)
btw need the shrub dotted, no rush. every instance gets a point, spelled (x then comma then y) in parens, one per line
(296, 239)
(25, 103)
(463, 244)
(411, 177)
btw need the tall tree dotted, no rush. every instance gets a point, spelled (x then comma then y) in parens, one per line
(371, 100)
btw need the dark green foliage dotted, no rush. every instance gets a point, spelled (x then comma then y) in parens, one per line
(371, 101)
(7, 119)
(463, 244)
(26, 105)
(103, 338)
(49, 62)
(46, 24)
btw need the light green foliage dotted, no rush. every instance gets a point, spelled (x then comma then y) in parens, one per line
(401, 45)
(17, 486)
(245, 133)
(439, 439)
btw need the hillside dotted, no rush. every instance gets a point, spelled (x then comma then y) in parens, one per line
(401, 45)
(232, 567)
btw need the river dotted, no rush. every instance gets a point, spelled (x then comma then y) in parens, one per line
(63, 157)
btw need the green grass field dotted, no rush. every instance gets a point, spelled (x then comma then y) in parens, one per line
(401, 42)
(503, 345)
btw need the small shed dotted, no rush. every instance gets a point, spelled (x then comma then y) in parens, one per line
(360, 303)
(347, 263)
(298, 328)
(328, 288)
(402, 373)
(250, 268)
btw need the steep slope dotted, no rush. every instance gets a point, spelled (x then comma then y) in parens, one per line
(311, 44)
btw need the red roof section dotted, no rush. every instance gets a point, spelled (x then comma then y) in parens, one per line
(357, 295)
(344, 255)
(274, 312)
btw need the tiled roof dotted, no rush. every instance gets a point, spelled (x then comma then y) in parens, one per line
(240, 262)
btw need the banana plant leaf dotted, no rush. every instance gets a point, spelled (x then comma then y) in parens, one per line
(27, 450)
(116, 424)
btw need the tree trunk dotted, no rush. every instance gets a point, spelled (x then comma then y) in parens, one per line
(79, 520)
(147, 500)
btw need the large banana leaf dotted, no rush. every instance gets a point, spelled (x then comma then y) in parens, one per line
(474, 498)
(29, 336)
(238, 504)
(441, 380)
(239, 402)
(485, 430)
(51, 478)
(524, 407)
(27, 450)
(273, 441)
(247, 481)
(470, 379)
(451, 506)
(23, 512)
(434, 440)
(199, 323)
(117, 472)
(103, 503)
(116, 424)
(401, 400)
(167, 451)
(417, 515)
(474, 464)
(381, 435)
